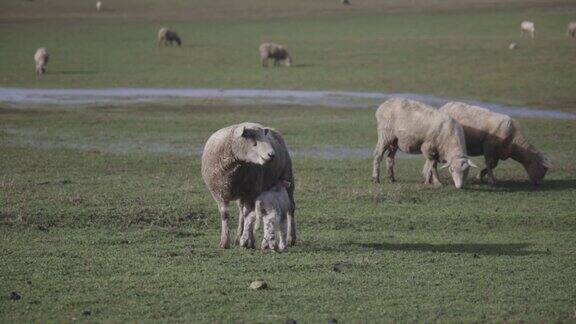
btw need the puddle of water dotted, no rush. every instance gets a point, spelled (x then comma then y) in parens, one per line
(348, 99)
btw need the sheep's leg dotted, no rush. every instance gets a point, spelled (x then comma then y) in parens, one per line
(434, 170)
(390, 161)
(427, 172)
(276, 63)
(381, 146)
(430, 171)
(223, 207)
(247, 239)
(291, 227)
(264, 62)
(490, 166)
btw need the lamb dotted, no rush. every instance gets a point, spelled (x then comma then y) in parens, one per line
(414, 127)
(276, 52)
(272, 208)
(527, 27)
(571, 30)
(167, 36)
(239, 162)
(497, 137)
(98, 6)
(41, 59)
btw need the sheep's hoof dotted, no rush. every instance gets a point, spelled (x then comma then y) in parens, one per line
(375, 180)
(224, 245)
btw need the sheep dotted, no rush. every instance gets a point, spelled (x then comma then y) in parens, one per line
(527, 27)
(239, 162)
(345, 2)
(571, 30)
(276, 52)
(167, 36)
(272, 208)
(98, 5)
(414, 127)
(41, 60)
(497, 137)
(513, 46)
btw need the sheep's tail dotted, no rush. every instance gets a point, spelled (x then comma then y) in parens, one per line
(258, 211)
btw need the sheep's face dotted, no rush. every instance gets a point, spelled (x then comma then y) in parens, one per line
(536, 171)
(459, 168)
(288, 61)
(252, 144)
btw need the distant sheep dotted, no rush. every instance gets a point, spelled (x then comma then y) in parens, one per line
(527, 28)
(167, 36)
(345, 2)
(272, 208)
(276, 52)
(497, 137)
(98, 6)
(513, 46)
(41, 59)
(571, 30)
(414, 127)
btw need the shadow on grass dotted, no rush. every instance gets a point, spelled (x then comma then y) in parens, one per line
(517, 249)
(525, 186)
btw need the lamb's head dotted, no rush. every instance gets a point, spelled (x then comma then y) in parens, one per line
(537, 169)
(459, 168)
(252, 144)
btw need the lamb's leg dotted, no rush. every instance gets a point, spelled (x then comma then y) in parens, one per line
(291, 227)
(268, 241)
(223, 207)
(240, 222)
(247, 240)
(281, 226)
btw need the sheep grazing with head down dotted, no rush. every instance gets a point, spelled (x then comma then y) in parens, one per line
(527, 28)
(41, 58)
(571, 30)
(276, 52)
(240, 162)
(345, 2)
(167, 36)
(414, 127)
(272, 208)
(497, 137)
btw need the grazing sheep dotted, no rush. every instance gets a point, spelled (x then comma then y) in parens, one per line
(513, 46)
(345, 2)
(41, 59)
(98, 6)
(527, 27)
(239, 162)
(272, 208)
(167, 36)
(414, 127)
(571, 30)
(276, 52)
(497, 137)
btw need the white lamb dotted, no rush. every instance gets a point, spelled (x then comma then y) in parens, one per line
(272, 208)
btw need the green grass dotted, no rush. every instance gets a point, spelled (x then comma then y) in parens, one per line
(457, 55)
(132, 233)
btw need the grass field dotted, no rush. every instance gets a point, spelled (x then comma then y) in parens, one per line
(104, 216)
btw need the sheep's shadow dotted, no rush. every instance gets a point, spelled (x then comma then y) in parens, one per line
(73, 72)
(511, 249)
(525, 186)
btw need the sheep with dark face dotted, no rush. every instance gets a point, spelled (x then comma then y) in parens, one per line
(41, 58)
(276, 52)
(240, 162)
(497, 137)
(167, 36)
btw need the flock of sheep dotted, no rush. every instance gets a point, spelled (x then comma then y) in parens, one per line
(250, 164)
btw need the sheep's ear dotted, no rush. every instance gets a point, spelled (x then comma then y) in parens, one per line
(470, 163)
(445, 166)
(240, 131)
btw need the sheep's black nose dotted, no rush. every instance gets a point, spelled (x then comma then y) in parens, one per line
(271, 155)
